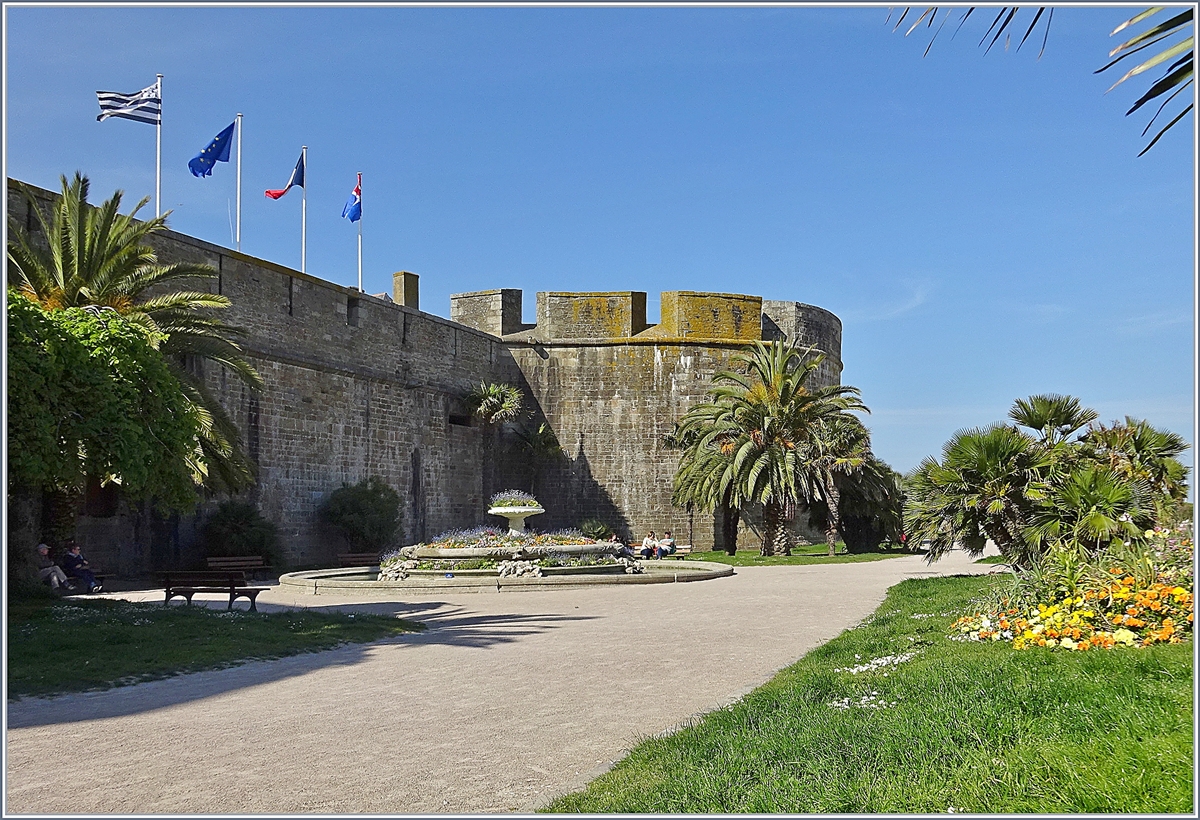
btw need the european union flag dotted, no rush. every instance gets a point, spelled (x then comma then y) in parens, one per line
(217, 151)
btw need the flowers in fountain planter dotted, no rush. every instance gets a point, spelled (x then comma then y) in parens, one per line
(490, 538)
(513, 498)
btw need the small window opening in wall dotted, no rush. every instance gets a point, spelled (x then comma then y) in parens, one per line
(291, 294)
(352, 311)
(461, 421)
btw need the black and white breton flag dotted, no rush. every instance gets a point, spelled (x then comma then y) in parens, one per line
(142, 106)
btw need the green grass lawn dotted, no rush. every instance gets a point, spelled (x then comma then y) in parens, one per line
(74, 645)
(992, 559)
(801, 555)
(963, 726)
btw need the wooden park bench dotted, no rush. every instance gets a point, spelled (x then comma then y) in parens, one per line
(680, 551)
(358, 559)
(249, 564)
(230, 582)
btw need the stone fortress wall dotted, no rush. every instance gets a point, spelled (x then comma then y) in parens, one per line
(611, 387)
(360, 385)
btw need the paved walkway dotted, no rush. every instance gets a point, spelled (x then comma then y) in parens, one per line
(506, 701)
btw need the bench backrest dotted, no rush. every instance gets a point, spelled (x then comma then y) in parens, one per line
(225, 578)
(236, 562)
(358, 559)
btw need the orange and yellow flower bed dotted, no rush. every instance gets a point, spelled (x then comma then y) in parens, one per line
(1118, 611)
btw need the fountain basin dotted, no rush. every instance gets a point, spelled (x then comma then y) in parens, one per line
(516, 516)
(359, 580)
(506, 553)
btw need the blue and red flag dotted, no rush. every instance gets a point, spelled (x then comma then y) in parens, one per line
(297, 178)
(353, 208)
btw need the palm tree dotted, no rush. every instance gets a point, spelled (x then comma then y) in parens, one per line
(1177, 55)
(95, 256)
(986, 486)
(699, 483)
(871, 506)
(495, 403)
(1091, 508)
(1055, 418)
(839, 445)
(742, 447)
(1142, 453)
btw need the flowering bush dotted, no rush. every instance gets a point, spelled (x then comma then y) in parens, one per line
(513, 498)
(1149, 600)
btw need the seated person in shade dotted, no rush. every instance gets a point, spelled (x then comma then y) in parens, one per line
(649, 545)
(666, 546)
(50, 572)
(623, 550)
(76, 566)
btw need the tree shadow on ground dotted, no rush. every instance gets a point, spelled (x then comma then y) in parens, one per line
(446, 624)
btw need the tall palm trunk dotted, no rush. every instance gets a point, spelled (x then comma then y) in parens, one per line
(833, 521)
(730, 517)
(776, 538)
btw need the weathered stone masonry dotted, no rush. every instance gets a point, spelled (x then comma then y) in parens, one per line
(360, 385)
(611, 386)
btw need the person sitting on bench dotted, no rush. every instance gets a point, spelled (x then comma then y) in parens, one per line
(76, 566)
(50, 572)
(649, 545)
(666, 546)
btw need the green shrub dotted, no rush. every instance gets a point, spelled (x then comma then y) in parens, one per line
(366, 514)
(595, 529)
(236, 528)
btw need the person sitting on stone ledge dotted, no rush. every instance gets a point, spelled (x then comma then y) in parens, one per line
(623, 550)
(50, 572)
(666, 546)
(649, 545)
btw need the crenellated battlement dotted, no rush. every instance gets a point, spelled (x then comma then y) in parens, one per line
(690, 316)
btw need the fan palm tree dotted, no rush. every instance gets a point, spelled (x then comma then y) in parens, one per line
(1091, 508)
(96, 256)
(1055, 418)
(742, 447)
(1139, 452)
(986, 486)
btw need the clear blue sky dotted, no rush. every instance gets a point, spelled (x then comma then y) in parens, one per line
(980, 223)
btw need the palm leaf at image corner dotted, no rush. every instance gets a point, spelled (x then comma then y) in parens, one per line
(1179, 73)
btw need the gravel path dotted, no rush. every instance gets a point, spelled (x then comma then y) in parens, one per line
(506, 701)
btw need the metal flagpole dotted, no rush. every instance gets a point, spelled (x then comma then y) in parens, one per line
(158, 155)
(360, 289)
(239, 182)
(304, 208)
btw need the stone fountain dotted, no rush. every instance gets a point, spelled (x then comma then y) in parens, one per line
(490, 559)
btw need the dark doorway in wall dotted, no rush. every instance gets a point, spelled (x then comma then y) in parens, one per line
(417, 493)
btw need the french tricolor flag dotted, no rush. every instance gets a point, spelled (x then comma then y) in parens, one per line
(353, 208)
(296, 179)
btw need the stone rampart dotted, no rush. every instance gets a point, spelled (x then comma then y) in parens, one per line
(355, 386)
(360, 385)
(613, 395)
